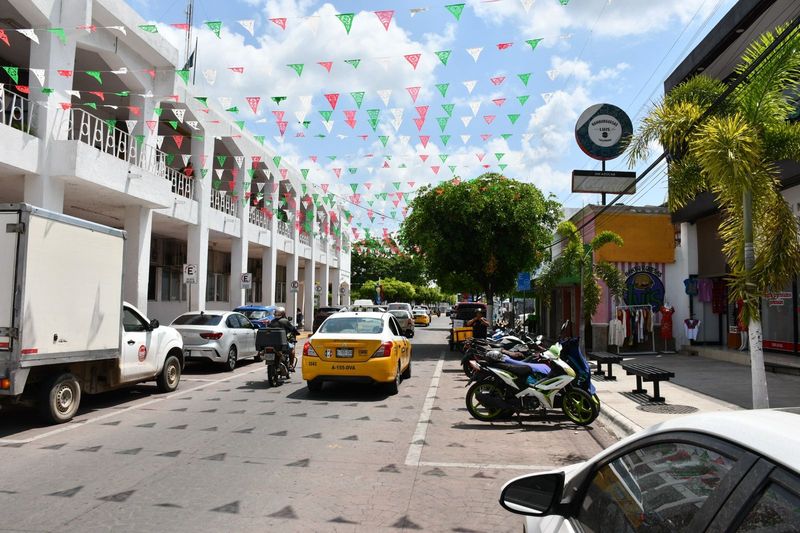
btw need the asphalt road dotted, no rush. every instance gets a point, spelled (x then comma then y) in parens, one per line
(227, 453)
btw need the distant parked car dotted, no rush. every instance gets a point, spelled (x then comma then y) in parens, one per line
(322, 313)
(218, 336)
(400, 305)
(260, 315)
(405, 320)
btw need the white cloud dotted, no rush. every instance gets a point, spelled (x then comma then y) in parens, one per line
(580, 70)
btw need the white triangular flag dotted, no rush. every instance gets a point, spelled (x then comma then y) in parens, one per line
(148, 94)
(526, 4)
(248, 25)
(30, 34)
(210, 75)
(305, 101)
(417, 10)
(385, 62)
(110, 106)
(397, 113)
(179, 113)
(475, 53)
(218, 172)
(470, 85)
(552, 74)
(159, 141)
(300, 115)
(396, 123)
(76, 94)
(546, 97)
(474, 106)
(193, 124)
(224, 101)
(385, 94)
(340, 136)
(186, 158)
(222, 193)
(239, 160)
(370, 169)
(260, 185)
(465, 138)
(404, 139)
(328, 125)
(118, 28)
(466, 120)
(39, 73)
(130, 124)
(122, 70)
(527, 137)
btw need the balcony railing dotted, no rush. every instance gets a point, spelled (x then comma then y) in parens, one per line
(16, 111)
(284, 229)
(305, 238)
(257, 218)
(102, 135)
(222, 202)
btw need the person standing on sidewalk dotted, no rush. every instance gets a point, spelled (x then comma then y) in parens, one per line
(480, 326)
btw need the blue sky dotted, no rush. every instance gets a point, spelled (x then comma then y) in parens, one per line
(591, 51)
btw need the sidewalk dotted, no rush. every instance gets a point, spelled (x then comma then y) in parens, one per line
(700, 385)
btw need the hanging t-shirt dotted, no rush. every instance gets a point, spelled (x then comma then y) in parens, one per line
(666, 322)
(704, 290)
(691, 327)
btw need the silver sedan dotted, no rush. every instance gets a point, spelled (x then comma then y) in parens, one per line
(218, 336)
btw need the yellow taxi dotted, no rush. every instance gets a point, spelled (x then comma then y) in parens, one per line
(360, 347)
(421, 317)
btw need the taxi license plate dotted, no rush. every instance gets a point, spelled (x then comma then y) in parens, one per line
(344, 352)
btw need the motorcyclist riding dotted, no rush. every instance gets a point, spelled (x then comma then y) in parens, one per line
(291, 332)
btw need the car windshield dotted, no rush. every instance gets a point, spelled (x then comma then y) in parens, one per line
(352, 324)
(399, 313)
(255, 314)
(197, 320)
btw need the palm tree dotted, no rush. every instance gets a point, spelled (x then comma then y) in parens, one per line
(729, 149)
(577, 258)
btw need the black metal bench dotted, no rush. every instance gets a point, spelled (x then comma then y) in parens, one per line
(605, 358)
(645, 372)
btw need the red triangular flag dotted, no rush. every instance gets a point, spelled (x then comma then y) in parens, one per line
(422, 111)
(423, 157)
(419, 122)
(151, 124)
(424, 140)
(178, 140)
(413, 59)
(499, 101)
(435, 169)
(504, 46)
(332, 99)
(489, 118)
(414, 92)
(385, 17)
(326, 64)
(281, 22)
(253, 101)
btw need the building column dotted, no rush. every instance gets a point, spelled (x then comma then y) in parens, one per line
(239, 250)
(197, 238)
(308, 283)
(269, 258)
(291, 275)
(138, 225)
(336, 283)
(324, 279)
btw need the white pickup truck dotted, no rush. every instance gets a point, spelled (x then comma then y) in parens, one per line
(64, 329)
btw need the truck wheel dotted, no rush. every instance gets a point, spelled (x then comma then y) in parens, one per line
(230, 364)
(59, 399)
(170, 375)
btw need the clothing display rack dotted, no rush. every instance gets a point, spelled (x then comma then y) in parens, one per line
(634, 308)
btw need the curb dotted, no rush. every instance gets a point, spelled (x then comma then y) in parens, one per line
(620, 425)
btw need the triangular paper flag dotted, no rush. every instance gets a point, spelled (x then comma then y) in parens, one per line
(347, 20)
(332, 99)
(210, 75)
(522, 99)
(546, 97)
(326, 65)
(384, 95)
(38, 74)
(475, 53)
(179, 113)
(353, 62)
(526, 4)
(385, 17)
(413, 59)
(215, 26)
(358, 97)
(448, 108)
(247, 25)
(30, 34)
(552, 74)
(455, 10)
(470, 85)
(297, 67)
(533, 43)
(443, 88)
(465, 138)
(413, 92)
(444, 56)
(474, 106)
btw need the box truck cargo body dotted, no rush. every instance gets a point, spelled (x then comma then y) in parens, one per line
(63, 325)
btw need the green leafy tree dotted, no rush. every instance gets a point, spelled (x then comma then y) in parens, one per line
(477, 235)
(372, 259)
(730, 150)
(577, 259)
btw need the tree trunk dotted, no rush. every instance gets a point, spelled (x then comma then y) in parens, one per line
(757, 371)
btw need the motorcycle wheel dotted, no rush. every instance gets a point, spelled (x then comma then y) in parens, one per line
(272, 376)
(478, 410)
(468, 370)
(579, 406)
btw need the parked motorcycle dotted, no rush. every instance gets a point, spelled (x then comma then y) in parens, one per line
(277, 351)
(502, 386)
(519, 347)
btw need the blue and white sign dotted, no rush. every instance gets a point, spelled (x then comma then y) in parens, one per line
(524, 281)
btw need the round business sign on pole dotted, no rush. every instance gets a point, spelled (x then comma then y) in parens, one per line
(602, 130)
(295, 284)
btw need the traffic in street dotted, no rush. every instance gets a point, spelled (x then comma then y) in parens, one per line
(227, 451)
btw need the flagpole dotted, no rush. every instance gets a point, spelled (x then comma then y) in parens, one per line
(194, 63)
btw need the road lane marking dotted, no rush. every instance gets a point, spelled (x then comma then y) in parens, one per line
(86, 421)
(487, 466)
(418, 440)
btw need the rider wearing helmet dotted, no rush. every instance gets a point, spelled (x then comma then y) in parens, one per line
(291, 332)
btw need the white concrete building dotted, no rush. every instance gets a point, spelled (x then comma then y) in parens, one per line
(117, 152)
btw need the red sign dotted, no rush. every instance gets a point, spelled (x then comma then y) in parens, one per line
(142, 353)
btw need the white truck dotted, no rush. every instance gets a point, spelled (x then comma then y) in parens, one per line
(64, 329)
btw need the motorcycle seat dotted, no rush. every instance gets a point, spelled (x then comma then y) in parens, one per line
(518, 370)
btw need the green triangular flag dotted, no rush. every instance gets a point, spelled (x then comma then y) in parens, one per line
(370, 202)
(499, 155)
(352, 170)
(149, 28)
(96, 75)
(184, 74)
(443, 56)
(251, 172)
(358, 97)
(332, 157)
(277, 161)
(384, 139)
(216, 183)
(215, 26)
(455, 10)
(234, 109)
(278, 99)
(448, 108)
(442, 122)
(354, 186)
(443, 157)
(304, 172)
(533, 43)
(139, 140)
(111, 123)
(353, 62)
(221, 160)
(326, 115)
(297, 67)
(373, 113)
(396, 185)
(158, 111)
(524, 78)
(198, 137)
(47, 90)
(203, 172)
(169, 159)
(123, 93)
(443, 88)
(347, 20)
(306, 123)
(452, 168)
(445, 139)
(564, 2)
(259, 138)
(373, 122)
(202, 99)
(13, 72)
(502, 166)
(522, 99)
(58, 32)
(505, 135)
(513, 117)
(91, 104)
(174, 124)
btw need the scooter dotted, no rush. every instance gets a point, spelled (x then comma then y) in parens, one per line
(277, 351)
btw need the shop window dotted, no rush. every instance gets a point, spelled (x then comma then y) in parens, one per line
(777, 318)
(172, 287)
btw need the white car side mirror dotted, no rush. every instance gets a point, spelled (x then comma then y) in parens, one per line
(533, 495)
